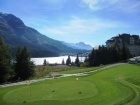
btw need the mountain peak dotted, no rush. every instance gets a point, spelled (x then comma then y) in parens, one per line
(3, 13)
(80, 45)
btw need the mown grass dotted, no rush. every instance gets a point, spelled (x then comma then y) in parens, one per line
(115, 86)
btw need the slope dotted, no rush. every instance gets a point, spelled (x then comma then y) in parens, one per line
(16, 33)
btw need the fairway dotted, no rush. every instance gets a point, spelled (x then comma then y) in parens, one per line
(114, 86)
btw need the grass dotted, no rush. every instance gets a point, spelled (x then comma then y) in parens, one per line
(115, 86)
(42, 71)
(80, 70)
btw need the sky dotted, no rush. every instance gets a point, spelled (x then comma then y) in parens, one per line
(89, 21)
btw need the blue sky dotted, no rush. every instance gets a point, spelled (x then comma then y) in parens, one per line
(89, 21)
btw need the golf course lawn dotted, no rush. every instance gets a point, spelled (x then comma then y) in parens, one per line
(119, 85)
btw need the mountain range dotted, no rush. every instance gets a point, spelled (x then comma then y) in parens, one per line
(15, 33)
(80, 45)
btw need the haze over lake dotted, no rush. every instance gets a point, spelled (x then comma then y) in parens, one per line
(53, 60)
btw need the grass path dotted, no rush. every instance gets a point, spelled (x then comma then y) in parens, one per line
(118, 85)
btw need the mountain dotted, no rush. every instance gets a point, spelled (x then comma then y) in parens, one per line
(80, 45)
(15, 33)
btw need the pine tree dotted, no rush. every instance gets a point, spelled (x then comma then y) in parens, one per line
(91, 58)
(68, 62)
(118, 51)
(63, 62)
(45, 62)
(77, 62)
(125, 52)
(103, 55)
(5, 63)
(24, 68)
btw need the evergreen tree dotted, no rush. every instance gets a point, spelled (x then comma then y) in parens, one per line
(125, 52)
(24, 68)
(86, 59)
(86, 62)
(91, 58)
(68, 62)
(97, 58)
(63, 62)
(118, 51)
(77, 62)
(45, 62)
(103, 55)
(5, 63)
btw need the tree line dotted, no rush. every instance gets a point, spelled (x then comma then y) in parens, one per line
(103, 55)
(69, 62)
(107, 55)
(20, 68)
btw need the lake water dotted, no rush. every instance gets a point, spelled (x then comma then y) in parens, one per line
(53, 60)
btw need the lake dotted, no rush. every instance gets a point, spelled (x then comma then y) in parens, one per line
(53, 60)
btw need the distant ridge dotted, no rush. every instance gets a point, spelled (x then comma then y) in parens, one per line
(80, 45)
(16, 33)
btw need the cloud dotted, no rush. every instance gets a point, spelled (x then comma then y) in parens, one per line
(95, 5)
(119, 5)
(92, 4)
(77, 26)
(73, 27)
(129, 6)
(31, 7)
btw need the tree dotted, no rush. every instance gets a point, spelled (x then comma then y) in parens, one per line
(45, 62)
(91, 58)
(63, 62)
(86, 62)
(24, 68)
(104, 55)
(68, 62)
(77, 61)
(125, 52)
(5, 63)
(118, 49)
